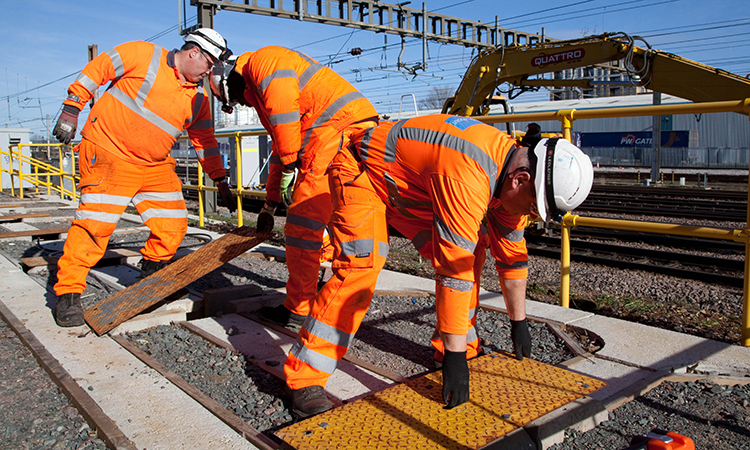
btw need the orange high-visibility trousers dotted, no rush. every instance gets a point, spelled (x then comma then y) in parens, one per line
(309, 214)
(108, 185)
(360, 236)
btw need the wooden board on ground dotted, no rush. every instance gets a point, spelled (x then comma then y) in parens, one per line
(24, 216)
(51, 260)
(125, 304)
(49, 233)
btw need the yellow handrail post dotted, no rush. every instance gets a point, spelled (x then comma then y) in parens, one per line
(36, 175)
(20, 172)
(238, 171)
(566, 120)
(567, 222)
(62, 174)
(201, 219)
(565, 116)
(73, 174)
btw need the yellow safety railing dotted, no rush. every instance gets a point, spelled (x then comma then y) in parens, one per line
(240, 192)
(566, 118)
(42, 173)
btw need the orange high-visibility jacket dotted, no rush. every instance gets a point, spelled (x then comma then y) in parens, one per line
(443, 173)
(294, 94)
(145, 108)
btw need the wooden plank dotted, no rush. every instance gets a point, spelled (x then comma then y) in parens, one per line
(125, 304)
(35, 233)
(254, 436)
(106, 429)
(51, 260)
(24, 216)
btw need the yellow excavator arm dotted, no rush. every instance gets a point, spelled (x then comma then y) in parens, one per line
(653, 69)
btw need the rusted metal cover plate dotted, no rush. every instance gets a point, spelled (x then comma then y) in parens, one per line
(505, 394)
(127, 303)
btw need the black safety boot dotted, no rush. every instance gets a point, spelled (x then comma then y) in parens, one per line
(282, 316)
(148, 267)
(308, 401)
(68, 310)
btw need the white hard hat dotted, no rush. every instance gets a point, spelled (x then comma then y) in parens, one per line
(211, 42)
(564, 176)
(219, 85)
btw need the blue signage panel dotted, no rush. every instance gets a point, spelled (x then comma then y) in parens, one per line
(635, 139)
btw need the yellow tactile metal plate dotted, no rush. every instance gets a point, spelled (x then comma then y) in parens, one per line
(505, 394)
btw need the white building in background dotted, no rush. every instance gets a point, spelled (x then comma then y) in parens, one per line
(11, 137)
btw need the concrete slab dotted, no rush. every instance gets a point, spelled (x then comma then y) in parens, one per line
(536, 310)
(349, 382)
(618, 376)
(150, 411)
(659, 349)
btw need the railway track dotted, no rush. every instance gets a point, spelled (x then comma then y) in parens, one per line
(677, 264)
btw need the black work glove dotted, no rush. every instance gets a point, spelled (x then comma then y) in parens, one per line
(519, 334)
(65, 129)
(227, 198)
(265, 219)
(455, 379)
(532, 137)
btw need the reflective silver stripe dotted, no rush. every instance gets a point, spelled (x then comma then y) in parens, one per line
(515, 265)
(117, 64)
(454, 283)
(507, 233)
(309, 73)
(145, 113)
(197, 103)
(282, 118)
(389, 152)
(164, 214)
(208, 152)
(202, 125)
(305, 222)
(472, 335)
(108, 199)
(97, 215)
(316, 360)
(304, 244)
(472, 313)
(383, 249)
(460, 145)
(328, 333)
(158, 197)
(331, 111)
(364, 145)
(422, 238)
(87, 82)
(357, 247)
(148, 80)
(447, 234)
(137, 105)
(283, 73)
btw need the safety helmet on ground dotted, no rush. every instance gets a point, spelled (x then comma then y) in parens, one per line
(211, 42)
(563, 180)
(219, 84)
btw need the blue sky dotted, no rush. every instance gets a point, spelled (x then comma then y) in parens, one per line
(44, 42)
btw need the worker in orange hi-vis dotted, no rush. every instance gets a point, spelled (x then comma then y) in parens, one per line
(124, 155)
(434, 179)
(309, 111)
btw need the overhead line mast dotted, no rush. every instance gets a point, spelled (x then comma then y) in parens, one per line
(382, 17)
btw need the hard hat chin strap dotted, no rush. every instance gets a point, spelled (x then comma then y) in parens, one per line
(555, 213)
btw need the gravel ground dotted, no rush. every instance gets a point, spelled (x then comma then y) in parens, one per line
(34, 413)
(703, 411)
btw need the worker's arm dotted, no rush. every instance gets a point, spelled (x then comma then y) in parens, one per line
(99, 71)
(508, 247)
